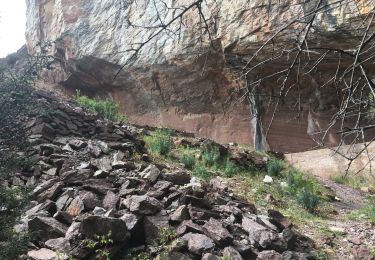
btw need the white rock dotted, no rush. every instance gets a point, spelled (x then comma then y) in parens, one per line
(45, 254)
(195, 183)
(337, 229)
(151, 173)
(98, 211)
(67, 148)
(284, 184)
(101, 174)
(103, 146)
(119, 156)
(267, 179)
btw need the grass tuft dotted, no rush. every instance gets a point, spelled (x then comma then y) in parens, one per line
(201, 172)
(107, 108)
(274, 167)
(231, 169)
(211, 156)
(160, 142)
(308, 199)
(188, 160)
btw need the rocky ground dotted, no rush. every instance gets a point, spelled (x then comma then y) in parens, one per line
(99, 195)
(346, 237)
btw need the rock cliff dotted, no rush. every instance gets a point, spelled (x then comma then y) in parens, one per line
(176, 80)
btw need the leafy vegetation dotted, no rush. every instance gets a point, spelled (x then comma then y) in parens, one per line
(296, 181)
(274, 167)
(366, 213)
(304, 188)
(141, 256)
(107, 108)
(201, 172)
(356, 181)
(188, 160)
(166, 235)
(308, 199)
(301, 193)
(100, 245)
(160, 142)
(231, 169)
(371, 213)
(17, 104)
(211, 156)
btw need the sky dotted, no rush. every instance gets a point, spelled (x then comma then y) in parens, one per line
(12, 26)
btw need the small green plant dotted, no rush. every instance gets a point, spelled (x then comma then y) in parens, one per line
(18, 105)
(373, 252)
(320, 255)
(107, 108)
(164, 243)
(201, 172)
(295, 181)
(160, 142)
(100, 245)
(371, 214)
(338, 179)
(211, 156)
(166, 235)
(357, 182)
(188, 160)
(366, 213)
(369, 210)
(141, 256)
(274, 167)
(230, 169)
(307, 199)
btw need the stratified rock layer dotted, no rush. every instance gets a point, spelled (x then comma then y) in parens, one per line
(178, 83)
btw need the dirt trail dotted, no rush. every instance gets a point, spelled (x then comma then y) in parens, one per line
(346, 238)
(349, 199)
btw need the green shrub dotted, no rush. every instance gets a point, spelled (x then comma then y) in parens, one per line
(231, 169)
(160, 142)
(201, 172)
(369, 210)
(18, 103)
(141, 256)
(295, 181)
(101, 245)
(366, 213)
(308, 199)
(189, 161)
(211, 156)
(338, 179)
(166, 235)
(274, 167)
(371, 214)
(320, 255)
(107, 108)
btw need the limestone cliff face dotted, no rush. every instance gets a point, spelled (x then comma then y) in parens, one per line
(175, 80)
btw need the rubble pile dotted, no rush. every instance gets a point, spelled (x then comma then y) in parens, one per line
(95, 179)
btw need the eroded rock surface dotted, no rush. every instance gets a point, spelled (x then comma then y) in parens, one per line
(179, 83)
